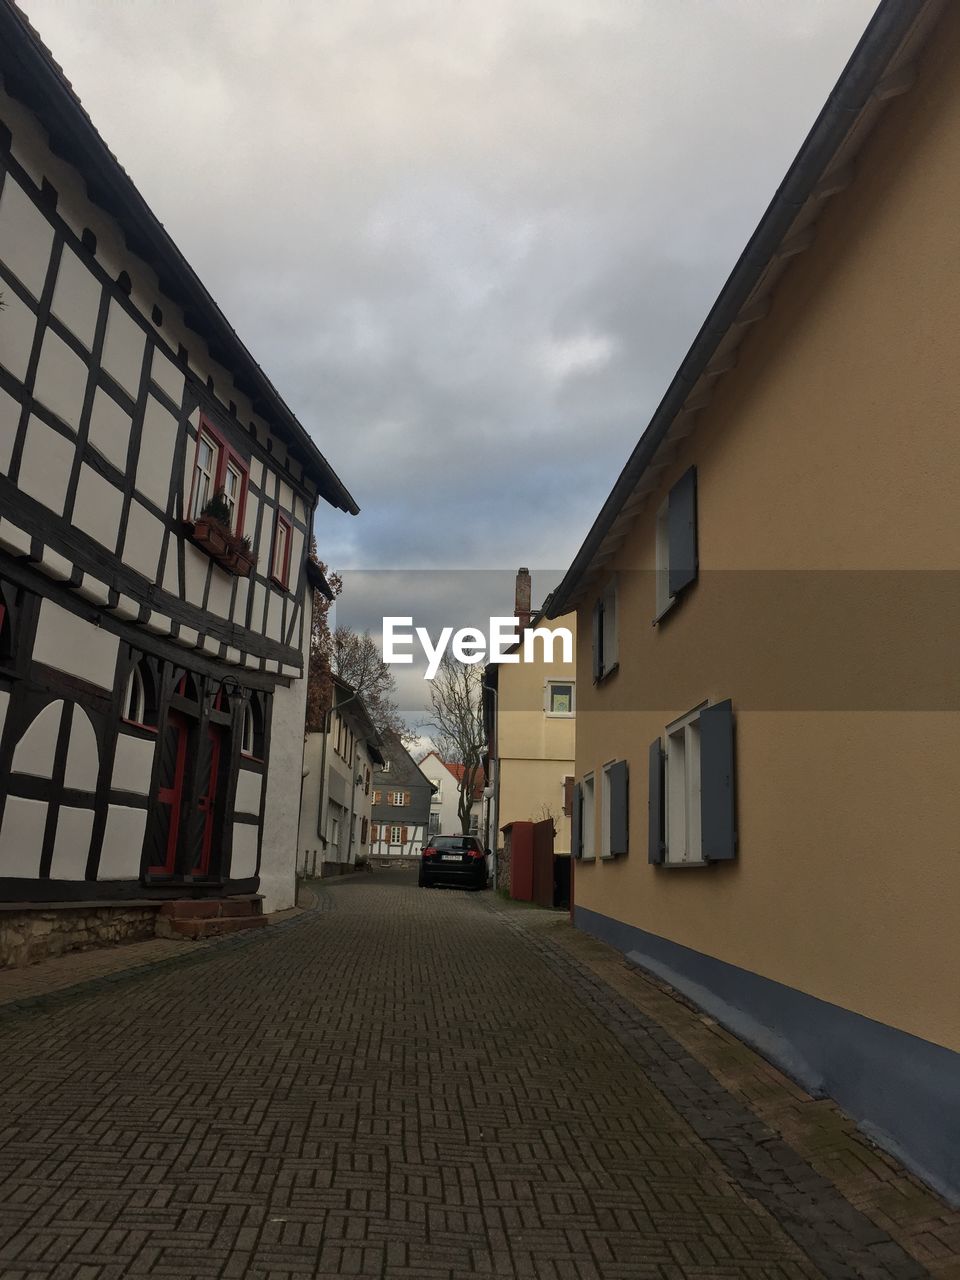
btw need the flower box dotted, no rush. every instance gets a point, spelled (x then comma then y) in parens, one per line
(222, 546)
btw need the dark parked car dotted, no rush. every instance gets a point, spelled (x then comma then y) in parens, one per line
(453, 860)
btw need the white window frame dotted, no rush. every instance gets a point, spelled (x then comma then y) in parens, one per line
(560, 715)
(248, 732)
(397, 799)
(233, 499)
(609, 634)
(135, 697)
(664, 600)
(437, 796)
(399, 836)
(683, 835)
(588, 813)
(202, 495)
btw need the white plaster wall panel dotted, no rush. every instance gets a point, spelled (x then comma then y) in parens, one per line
(76, 297)
(26, 237)
(13, 538)
(275, 616)
(71, 845)
(259, 593)
(243, 858)
(109, 431)
(122, 843)
(296, 557)
(45, 465)
(36, 749)
(286, 496)
(133, 764)
(123, 349)
(21, 837)
(98, 507)
(249, 787)
(256, 472)
(221, 590)
(240, 602)
(19, 325)
(54, 565)
(167, 376)
(158, 440)
(61, 379)
(70, 644)
(4, 703)
(270, 484)
(171, 570)
(282, 801)
(83, 754)
(141, 546)
(9, 421)
(195, 565)
(250, 519)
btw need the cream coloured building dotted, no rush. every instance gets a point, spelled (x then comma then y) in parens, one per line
(768, 718)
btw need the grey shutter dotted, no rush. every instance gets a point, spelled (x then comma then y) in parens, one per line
(597, 640)
(656, 841)
(576, 822)
(682, 532)
(619, 807)
(717, 810)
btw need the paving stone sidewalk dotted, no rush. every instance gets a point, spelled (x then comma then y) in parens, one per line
(409, 1084)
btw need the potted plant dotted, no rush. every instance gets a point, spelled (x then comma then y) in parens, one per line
(211, 529)
(242, 557)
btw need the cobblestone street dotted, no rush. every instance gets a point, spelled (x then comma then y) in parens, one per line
(402, 1083)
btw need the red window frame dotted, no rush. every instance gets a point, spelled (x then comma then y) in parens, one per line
(225, 455)
(283, 578)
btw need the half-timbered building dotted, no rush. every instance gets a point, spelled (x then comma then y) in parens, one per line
(156, 502)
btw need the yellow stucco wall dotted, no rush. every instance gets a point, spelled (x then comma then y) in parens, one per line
(535, 750)
(834, 445)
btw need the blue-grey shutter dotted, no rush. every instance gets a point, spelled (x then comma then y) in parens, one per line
(682, 532)
(597, 640)
(717, 783)
(656, 842)
(576, 822)
(617, 778)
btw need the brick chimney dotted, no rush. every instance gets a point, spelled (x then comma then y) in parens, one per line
(521, 606)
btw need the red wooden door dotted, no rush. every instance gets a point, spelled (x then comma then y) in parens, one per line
(169, 797)
(207, 779)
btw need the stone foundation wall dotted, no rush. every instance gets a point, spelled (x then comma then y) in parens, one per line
(38, 933)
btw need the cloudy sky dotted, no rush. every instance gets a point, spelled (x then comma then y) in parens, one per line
(469, 241)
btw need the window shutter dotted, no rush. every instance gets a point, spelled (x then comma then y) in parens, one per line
(567, 796)
(617, 779)
(406, 797)
(576, 822)
(403, 835)
(597, 640)
(682, 532)
(376, 797)
(717, 807)
(374, 831)
(656, 842)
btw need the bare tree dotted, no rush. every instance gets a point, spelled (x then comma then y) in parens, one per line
(319, 684)
(356, 658)
(456, 724)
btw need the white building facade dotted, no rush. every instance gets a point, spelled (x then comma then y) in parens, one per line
(152, 659)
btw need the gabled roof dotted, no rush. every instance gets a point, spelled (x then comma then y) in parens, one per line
(457, 770)
(32, 75)
(880, 68)
(348, 703)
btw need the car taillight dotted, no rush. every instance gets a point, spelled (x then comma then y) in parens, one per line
(429, 853)
(475, 853)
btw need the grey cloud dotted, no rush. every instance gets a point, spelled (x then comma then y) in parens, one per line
(470, 242)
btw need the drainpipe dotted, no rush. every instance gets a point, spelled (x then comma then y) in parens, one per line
(496, 782)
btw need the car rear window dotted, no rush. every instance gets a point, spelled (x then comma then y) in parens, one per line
(454, 842)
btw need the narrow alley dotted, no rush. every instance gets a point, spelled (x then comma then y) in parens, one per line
(399, 1083)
